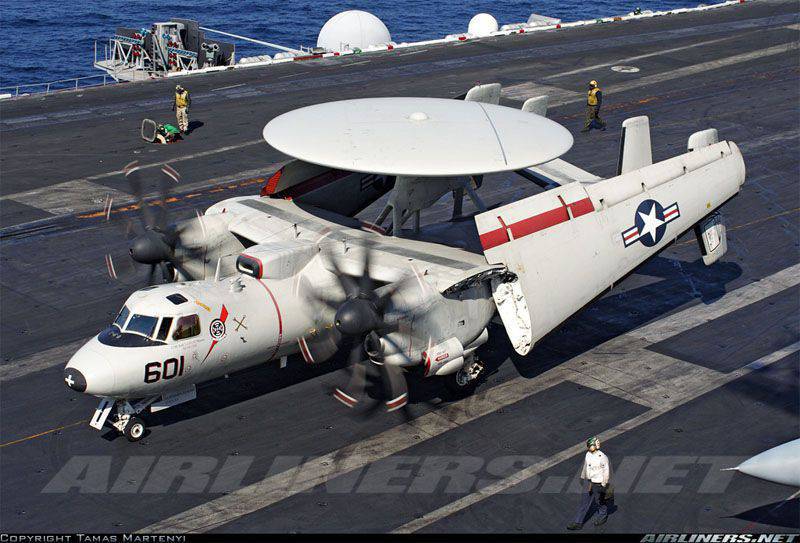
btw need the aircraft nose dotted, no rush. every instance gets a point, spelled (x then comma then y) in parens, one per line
(89, 372)
(74, 379)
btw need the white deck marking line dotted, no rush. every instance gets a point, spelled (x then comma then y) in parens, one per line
(271, 490)
(565, 96)
(56, 356)
(294, 74)
(657, 53)
(84, 196)
(106, 175)
(753, 292)
(69, 197)
(412, 53)
(693, 69)
(669, 404)
(229, 87)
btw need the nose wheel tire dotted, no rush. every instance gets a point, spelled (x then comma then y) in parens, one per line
(134, 429)
(464, 382)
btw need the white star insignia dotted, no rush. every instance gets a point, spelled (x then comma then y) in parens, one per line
(651, 223)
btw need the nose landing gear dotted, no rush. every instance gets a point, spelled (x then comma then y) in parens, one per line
(123, 418)
(464, 382)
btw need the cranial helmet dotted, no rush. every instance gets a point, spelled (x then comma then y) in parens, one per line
(592, 83)
(594, 440)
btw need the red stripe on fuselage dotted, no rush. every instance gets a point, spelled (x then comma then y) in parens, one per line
(223, 316)
(581, 207)
(280, 319)
(536, 223)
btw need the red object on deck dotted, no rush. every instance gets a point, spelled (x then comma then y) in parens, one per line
(272, 183)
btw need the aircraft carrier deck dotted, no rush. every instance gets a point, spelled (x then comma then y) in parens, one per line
(682, 369)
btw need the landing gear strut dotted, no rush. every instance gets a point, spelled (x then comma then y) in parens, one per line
(464, 382)
(123, 418)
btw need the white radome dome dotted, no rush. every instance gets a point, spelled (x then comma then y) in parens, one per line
(482, 25)
(352, 29)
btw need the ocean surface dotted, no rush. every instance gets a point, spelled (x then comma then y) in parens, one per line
(50, 40)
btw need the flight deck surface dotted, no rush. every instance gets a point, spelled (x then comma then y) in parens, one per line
(685, 369)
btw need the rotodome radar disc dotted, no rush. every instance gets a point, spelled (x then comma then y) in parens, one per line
(425, 137)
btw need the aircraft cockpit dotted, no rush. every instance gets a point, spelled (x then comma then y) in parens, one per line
(141, 323)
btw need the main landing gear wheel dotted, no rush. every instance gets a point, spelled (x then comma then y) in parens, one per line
(134, 429)
(464, 382)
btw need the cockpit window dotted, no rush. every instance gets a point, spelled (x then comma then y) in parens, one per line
(142, 324)
(163, 329)
(187, 326)
(122, 317)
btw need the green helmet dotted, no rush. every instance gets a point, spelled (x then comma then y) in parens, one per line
(594, 440)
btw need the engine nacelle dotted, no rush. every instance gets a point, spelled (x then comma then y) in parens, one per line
(275, 260)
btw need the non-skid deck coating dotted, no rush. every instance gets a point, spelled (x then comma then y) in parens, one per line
(658, 365)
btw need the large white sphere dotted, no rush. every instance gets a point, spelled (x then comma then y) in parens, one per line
(482, 25)
(354, 29)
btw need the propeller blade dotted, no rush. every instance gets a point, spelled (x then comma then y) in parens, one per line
(166, 273)
(365, 281)
(394, 385)
(169, 178)
(314, 296)
(133, 176)
(394, 382)
(151, 275)
(347, 283)
(112, 272)
(357, 382)
(390, 290)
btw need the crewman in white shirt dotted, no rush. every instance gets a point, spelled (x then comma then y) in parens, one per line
(597, 471)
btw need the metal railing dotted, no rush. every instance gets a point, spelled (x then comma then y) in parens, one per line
(58, 85)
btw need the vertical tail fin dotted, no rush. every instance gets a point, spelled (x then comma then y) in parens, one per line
(486, 94)
(701, 139)
(634, 145)
(537, 105)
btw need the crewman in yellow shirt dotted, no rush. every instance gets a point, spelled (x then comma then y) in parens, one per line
(594, 100)
(181, 108)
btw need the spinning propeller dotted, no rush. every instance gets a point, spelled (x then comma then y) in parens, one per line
(159, 245)
(363, 324)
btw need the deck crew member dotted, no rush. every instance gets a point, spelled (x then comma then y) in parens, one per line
(181, 108)
(594, 99)
(596, 470)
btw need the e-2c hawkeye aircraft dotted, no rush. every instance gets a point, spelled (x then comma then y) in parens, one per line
(258, 278)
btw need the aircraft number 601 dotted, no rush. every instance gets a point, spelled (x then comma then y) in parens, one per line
(155, 371)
